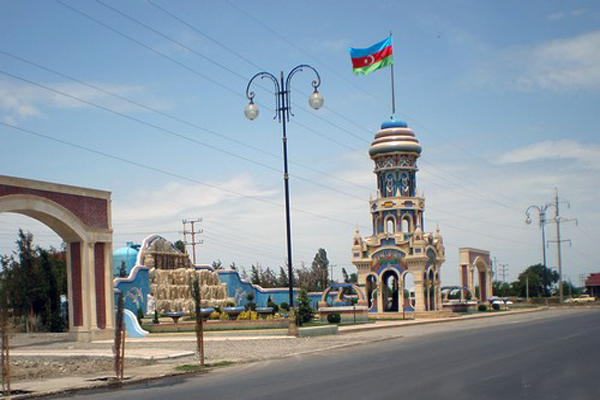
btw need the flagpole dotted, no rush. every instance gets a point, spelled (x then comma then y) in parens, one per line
(392, 79)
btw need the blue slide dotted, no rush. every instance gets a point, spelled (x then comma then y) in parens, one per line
(134, 330)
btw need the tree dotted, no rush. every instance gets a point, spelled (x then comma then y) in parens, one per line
(123, 270)
(305, 311)
(255, 274)
(180, 245)
(503, 289)
(282, 278)
(320, 270)
(268, 278)
(533, 277)
(304, 278)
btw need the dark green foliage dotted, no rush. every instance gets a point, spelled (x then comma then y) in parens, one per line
(230, 304)
(496, 306)
(140, 315)
(35, 280)
(334, 318)
(535, 276)
(320, 271)
(305, 311)
(250, 305)
(180, 245)
(255, 275)
(282, 278)
(123, 270)
(482, 307)
(274, 306)
(284, 306)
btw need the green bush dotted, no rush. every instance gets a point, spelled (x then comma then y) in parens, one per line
(215, 315)
(284, 306)
(334, 318)
(140, 315)
(224, 317)
(496, 306)
(230, 304)
(274, 306)
(305, 311)
(482, 307)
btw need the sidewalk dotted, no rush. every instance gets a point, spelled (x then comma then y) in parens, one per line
(166, 351)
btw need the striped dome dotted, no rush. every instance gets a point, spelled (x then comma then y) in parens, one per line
(394, 136)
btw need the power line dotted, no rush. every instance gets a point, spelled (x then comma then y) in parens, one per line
(167, 173)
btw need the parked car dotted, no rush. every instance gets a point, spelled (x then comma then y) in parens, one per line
(584, 298)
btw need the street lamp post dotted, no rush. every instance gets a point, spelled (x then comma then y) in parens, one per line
(542, 218)
(283, 111)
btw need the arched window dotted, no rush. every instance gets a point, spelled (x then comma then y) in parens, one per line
(405, 225)
(390, 225)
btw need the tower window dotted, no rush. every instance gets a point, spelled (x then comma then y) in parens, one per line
(390, 226)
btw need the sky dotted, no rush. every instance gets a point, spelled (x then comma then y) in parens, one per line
(145, 99)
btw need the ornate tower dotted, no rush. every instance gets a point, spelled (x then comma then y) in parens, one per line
(398, 249)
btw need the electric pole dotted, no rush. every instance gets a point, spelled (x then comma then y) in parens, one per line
(503, 271)
(193, 233)
(558, 219)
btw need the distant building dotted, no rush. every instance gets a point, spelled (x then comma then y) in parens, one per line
(592, 285)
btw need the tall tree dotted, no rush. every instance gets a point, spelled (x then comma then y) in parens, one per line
(255, 274)
(282, 278)
(320, 270)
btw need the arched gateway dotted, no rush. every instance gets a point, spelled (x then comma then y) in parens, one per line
(82, 218)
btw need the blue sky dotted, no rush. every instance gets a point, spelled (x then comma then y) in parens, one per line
(503, 96)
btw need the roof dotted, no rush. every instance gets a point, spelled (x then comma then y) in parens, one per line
(593, 279)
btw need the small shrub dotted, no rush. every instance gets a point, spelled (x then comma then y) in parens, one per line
(482, 307)
(284, 306)
(140, 315)
(248, 316)
(230, 304)
(215, 315)
(218, 309)
(496, 307)
(224, 317)
(334, 318)
(274, 306)
(251, 306)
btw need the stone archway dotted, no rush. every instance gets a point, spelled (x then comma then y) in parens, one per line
(476, 261)
(82, 218)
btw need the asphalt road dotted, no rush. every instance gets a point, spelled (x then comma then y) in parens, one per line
(556, 356)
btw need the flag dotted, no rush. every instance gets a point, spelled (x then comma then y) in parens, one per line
(365, 61)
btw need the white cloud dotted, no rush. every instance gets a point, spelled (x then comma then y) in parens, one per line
(20, 101)
(563, 65)
(562, 15)
(587, 154)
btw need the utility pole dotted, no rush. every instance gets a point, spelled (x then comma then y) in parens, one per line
(503, 271)
(193, 233)
(494, 268)
(558, 241)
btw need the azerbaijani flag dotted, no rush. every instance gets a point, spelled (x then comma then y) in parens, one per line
(365, 61)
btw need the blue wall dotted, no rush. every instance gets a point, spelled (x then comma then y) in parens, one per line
(135, 289)
(239, 288)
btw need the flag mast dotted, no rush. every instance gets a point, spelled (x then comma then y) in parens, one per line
(392, 79)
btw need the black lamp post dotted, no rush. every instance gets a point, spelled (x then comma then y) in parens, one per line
(542, 217)
(283, 111)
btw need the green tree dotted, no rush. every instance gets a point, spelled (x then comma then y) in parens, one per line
(320, 271)
(180, 245)
(533, 277)
(123, 270)
(255, 274)
(305, 311)
(282, 278)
